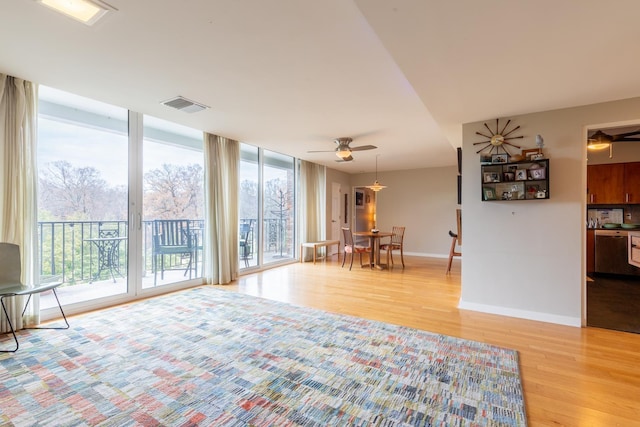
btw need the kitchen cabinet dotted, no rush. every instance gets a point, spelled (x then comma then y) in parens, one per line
(632, 182)
(616, 183)
(605, 184)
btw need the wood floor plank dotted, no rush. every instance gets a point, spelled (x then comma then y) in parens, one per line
(571, 376)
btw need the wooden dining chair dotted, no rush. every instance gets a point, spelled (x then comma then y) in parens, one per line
(455, 238)
(396, 244)
(351, 248)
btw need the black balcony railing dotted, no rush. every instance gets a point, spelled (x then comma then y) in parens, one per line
(77, 252)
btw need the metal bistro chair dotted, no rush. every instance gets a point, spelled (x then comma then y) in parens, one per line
(396, 244)
(171, 237)
(246, 242)
(11, 285)
(351, 248)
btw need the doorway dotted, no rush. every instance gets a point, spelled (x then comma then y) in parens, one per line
(612, 288)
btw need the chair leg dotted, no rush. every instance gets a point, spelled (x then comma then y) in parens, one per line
(10, 327)
(402, 255)
(344, 258)
(351, 265)
(451, 253)
(55, 294)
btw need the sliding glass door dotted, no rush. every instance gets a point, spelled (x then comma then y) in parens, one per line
(82, 198)
(267, 207)
(173, 203)
(98, 165)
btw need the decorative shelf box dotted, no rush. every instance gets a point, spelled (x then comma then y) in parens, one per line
(527, 180)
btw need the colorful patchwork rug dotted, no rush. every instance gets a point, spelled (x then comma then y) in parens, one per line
(211, 357)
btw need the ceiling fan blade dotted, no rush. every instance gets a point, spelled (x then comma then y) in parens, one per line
(626, 139)
(620, 136)
(346, 159)
(363, 147)
(322, 151)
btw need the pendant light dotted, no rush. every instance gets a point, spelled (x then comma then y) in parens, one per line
(376, 185)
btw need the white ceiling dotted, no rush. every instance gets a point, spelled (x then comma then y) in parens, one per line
(292, 75)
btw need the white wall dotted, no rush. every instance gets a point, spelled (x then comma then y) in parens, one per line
(527, 258)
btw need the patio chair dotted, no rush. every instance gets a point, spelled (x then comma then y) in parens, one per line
(11, 286)
(172, 237)
(246, 242)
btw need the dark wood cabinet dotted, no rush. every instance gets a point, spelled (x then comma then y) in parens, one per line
(605, 184)
(632, 182)
(616, 183)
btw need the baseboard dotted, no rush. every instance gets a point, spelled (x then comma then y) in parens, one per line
(427, 255)
(521, 314)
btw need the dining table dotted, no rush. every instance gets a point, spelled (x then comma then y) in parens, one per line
(374, 244)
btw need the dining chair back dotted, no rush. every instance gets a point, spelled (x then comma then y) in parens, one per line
(351, 248)
(173, 238)
(12, 286)
(456, 238)
(395, 244)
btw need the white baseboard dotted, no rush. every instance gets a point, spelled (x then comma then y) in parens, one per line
(522, 314)
(427, 255)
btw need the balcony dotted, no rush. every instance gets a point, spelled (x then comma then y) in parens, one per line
(90, 257)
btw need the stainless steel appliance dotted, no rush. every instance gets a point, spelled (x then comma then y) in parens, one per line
(612, 253)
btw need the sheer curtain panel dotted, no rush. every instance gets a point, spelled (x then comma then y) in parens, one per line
(222, 163)
(312, 203)
(18, 176)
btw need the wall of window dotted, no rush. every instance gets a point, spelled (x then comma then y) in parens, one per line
(98, 164)
(267, 207)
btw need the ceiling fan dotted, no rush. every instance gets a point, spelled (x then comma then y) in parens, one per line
(600, 140)
(605, 139)
(343, 149)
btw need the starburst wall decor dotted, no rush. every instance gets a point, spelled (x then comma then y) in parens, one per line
(498, 139)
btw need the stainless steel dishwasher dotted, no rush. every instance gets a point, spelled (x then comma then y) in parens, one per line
(611, 253)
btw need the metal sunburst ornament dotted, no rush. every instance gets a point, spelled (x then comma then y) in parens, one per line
(498, 139)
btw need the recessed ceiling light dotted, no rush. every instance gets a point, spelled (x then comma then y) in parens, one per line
(85, 11)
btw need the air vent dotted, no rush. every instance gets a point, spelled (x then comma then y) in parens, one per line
(184, 104)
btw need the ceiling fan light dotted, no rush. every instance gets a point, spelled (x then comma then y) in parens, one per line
(343, 152)
(595, 145)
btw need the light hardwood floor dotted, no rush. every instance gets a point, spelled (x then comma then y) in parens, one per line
(571, 376)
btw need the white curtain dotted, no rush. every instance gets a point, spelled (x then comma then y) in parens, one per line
(313, 204)
(18, 188)
(222, 163)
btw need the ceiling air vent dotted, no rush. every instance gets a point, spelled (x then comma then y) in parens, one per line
(184, 104)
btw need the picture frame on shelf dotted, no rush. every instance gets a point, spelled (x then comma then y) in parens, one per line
(521, 175)
(528, 153)
(539, 173)
(491, 177)
(489, 193)
(500, 158)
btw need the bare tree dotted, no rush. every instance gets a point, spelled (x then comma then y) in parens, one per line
(67, 192)
(174, 192)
